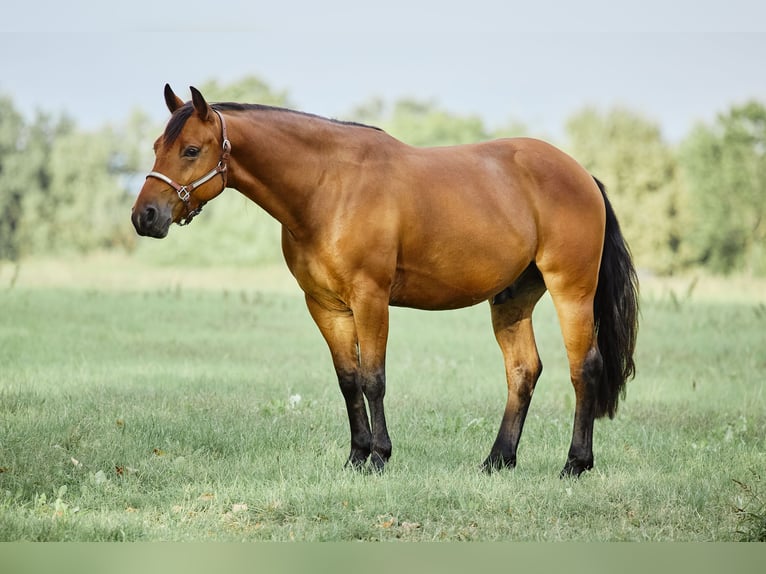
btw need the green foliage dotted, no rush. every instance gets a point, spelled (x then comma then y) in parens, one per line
(724, 166)
(421, 124)
(86, 205)
(11, 187)
(250, 90)
(25, 176)
(627, 153)
(59, 187)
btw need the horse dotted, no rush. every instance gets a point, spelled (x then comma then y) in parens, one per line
(370, 222)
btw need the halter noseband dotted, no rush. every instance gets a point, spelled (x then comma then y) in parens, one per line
(184, 191)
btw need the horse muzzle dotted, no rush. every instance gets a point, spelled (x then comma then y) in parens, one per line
(152, 220)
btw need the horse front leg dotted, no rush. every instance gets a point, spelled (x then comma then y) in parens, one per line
(338, 329)
(361, 434)
(370, 309)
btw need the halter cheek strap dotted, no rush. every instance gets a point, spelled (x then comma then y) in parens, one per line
(184, 191)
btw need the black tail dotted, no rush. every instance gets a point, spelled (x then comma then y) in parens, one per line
(616, 313)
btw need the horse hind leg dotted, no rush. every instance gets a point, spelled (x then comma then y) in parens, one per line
(574, 306)
(512, 323)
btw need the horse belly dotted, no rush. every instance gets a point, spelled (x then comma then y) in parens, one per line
(463, 251)
(453, 286)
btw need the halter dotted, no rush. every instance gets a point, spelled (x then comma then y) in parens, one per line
(184, 191)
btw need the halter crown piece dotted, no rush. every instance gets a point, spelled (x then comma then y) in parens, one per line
(184, 191)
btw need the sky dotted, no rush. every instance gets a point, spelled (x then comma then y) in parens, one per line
(677, 62)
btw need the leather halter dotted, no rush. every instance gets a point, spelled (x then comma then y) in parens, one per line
(184, 191)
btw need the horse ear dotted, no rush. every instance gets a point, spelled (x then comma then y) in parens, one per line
(199, 103)
(173, 102)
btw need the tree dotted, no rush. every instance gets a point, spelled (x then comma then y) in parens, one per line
(87, 207)
(59, 189)
(627, 153)
(11, 186)
(724, 167)
(421, 123)
(25, 178)
(250, 90)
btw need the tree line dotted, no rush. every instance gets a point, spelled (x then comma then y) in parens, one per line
(696, 204)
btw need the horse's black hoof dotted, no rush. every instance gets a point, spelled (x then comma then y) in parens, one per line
(356, 466)
(357, 460)
(377, 463)
(574, 468)
(495, 462)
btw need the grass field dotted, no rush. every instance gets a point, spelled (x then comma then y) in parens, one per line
(138, 404)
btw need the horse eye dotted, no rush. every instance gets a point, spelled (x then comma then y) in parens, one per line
(191, 152)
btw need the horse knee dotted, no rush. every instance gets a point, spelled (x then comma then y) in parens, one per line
(349, 385)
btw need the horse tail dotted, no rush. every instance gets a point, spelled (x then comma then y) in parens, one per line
(615, 309)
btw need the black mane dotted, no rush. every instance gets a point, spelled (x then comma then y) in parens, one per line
(181, 115)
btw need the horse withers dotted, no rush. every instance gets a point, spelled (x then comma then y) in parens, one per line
(369, 222)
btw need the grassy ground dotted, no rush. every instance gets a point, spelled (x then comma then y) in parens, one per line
(182, 405)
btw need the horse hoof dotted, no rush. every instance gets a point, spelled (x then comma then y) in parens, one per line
(377, 463)
(494, 463)
(357, 462)
(574, 468)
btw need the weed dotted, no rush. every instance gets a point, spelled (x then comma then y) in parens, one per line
(751, 511)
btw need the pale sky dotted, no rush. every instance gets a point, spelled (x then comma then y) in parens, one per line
(677, 62)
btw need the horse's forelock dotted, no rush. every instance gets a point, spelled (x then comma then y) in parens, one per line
(176, 123)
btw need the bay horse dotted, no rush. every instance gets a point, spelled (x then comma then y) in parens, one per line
(368, 222)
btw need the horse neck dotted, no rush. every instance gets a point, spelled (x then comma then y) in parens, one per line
(280, 159)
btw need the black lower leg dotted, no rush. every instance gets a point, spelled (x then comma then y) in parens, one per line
(361, 436)
(580, 457)
(375, 389)
(503, 452)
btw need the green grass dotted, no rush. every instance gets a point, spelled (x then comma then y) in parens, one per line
(170, 414)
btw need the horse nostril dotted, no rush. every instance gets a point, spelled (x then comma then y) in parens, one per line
(151, 220)
(150, 214)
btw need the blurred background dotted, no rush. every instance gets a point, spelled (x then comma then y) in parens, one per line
(665, 102)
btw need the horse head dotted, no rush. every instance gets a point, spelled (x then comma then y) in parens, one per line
(193, 150)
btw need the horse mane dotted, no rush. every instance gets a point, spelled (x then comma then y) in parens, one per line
(181, 116)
